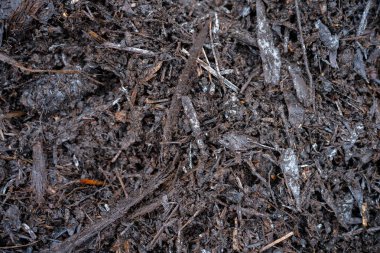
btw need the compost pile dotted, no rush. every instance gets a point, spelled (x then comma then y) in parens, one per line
(189, 126)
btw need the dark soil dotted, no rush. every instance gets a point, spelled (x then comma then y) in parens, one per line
(189, 126)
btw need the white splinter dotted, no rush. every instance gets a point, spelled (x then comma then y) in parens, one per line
(289, 166)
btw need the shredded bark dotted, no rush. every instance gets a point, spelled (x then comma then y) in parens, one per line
(39, 173)
(184, 83)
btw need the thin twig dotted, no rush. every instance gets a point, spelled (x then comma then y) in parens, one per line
(263, 146)
(39, 175)
(255, 173)
(122, 184)
(119, 211)
(215, 55)
(158, 101)
(129, 49)
(213, 72)
(270, 245)
(254, 73)
(159, 232)
(179, 234)
(359, 231)
(184, 84)
(306, 62)
(19, 246)
(355, 37)
(290, 135)
(5, 58)
(212, 86)
(363, 20)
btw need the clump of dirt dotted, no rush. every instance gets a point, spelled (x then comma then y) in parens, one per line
(51, 93)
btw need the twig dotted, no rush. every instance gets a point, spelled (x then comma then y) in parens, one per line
(129, 49)
(252, 75)
(121, 183)
(148, 208)
(253, 212)
(19, 246)
(184, 84)
(306, 62)
(119, 211)
(39, 177)
(235, 233)
(270, 245)
(192, 217)
(125, 145)
(263, 146)
(355, 37)
(212, 85)
(5, 58)
(255, 173)
(215, 53)
(159, 232)
(158, 101)
(287, 127)
(359, 231)
(181, 228)
(213, 72)
(363, 20)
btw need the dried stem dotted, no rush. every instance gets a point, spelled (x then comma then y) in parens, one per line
(5, 58)
(184, 84)
(306, 62)
(39, 175)
(129, 49)
(119, 211)
(213, 72)
(270, 245)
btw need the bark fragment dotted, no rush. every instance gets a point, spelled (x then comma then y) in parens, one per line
(270, 55)
(289, 166)
(194, 123)
(330, 41)
(39, 175)
(302, 90)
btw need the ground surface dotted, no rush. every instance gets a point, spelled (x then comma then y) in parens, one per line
(189, 126)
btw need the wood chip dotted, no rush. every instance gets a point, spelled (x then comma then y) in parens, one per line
(270, 55)
(39, 175)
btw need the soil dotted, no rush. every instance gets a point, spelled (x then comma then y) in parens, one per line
(189, 126)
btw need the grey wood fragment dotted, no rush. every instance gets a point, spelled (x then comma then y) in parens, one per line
(359, 65)
(236, 142)
(330, 41)
(270, 55)
(39, 175)
(289, 166)
(302, 90)
(364, 19)
(194, 123)
(296, 111)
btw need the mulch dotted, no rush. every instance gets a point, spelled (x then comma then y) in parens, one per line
(189, 126)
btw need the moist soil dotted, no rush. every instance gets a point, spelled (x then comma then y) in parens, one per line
(189, 126)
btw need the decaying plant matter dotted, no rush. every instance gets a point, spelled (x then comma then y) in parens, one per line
(189, 126)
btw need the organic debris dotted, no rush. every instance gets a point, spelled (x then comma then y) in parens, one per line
(270, 55)
(189, 126)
